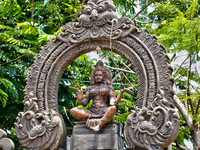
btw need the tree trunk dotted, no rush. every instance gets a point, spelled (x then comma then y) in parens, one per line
(189, 122)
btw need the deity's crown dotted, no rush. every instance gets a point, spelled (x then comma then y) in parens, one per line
(99, 63)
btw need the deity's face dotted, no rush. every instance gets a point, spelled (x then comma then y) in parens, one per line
(98, 76)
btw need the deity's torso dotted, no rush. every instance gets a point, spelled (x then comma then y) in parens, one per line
(100, 96)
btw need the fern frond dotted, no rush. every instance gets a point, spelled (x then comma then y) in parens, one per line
(26, 51)
(4, 56)
(122, 117)
(6, 83)
(11, 87)
(4, 27)
(16, 42)
(3, 97)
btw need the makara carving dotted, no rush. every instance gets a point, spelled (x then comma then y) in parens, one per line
(38, 129)
(103, 98)
(154, 128)
(100, 26)
(5, 143)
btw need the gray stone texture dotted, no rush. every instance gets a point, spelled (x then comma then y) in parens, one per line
(109, 137)
(5, 143)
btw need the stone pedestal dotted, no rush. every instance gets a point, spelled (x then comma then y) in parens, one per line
(109, 137)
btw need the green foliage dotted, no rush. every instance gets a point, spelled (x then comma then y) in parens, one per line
(25, 26)
(121, 117)
(3, 97)
(179, 32)
(124, 107)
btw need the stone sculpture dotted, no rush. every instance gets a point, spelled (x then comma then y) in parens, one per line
(99, 26)
(102, 94)
(154, 128)
(5, 143)
(39, 129)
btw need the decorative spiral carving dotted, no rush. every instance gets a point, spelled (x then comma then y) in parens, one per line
(39, 130)
(153, 128)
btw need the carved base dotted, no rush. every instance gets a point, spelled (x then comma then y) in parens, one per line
(109, 137)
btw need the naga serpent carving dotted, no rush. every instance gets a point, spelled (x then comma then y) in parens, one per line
(41, 126)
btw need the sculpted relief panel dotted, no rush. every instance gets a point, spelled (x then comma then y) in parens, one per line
(152, 125)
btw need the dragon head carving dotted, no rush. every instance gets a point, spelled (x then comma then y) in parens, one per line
(96, 10)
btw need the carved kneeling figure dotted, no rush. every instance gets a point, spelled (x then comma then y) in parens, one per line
(102, 94)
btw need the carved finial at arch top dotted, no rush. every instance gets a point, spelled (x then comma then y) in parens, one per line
(98, 9)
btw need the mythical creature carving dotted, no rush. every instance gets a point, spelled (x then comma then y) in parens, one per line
(5, 143)
(98, 19)
(96, 10)
(154, 128)
(39, 130)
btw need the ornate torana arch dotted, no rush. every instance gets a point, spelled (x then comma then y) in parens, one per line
(152, 125)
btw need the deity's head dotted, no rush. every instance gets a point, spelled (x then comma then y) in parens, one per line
(100, 74)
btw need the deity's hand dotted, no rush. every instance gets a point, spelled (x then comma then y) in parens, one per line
(73, 88)
(112, 101)
(80, 93)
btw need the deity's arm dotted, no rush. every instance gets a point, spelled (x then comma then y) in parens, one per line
(119, 96)
(112, 96)
(83, 100)
(113, 99)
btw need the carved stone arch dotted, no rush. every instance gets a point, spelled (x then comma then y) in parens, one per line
(64, 59)
(41, 123)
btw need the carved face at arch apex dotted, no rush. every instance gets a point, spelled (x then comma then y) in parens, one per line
(97, 9)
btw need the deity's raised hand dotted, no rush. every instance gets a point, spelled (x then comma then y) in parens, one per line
(80, 93)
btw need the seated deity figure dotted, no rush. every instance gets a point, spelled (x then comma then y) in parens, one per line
(102, 94)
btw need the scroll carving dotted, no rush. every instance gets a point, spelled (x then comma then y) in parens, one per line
(39, 129)
(153, 128)
(98, 20)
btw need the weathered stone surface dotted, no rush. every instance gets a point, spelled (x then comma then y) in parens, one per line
(169, 147)
(99, 26)
(154, 128)
(5, 143)
(40, 129)
(108, 138)
(68, 143)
